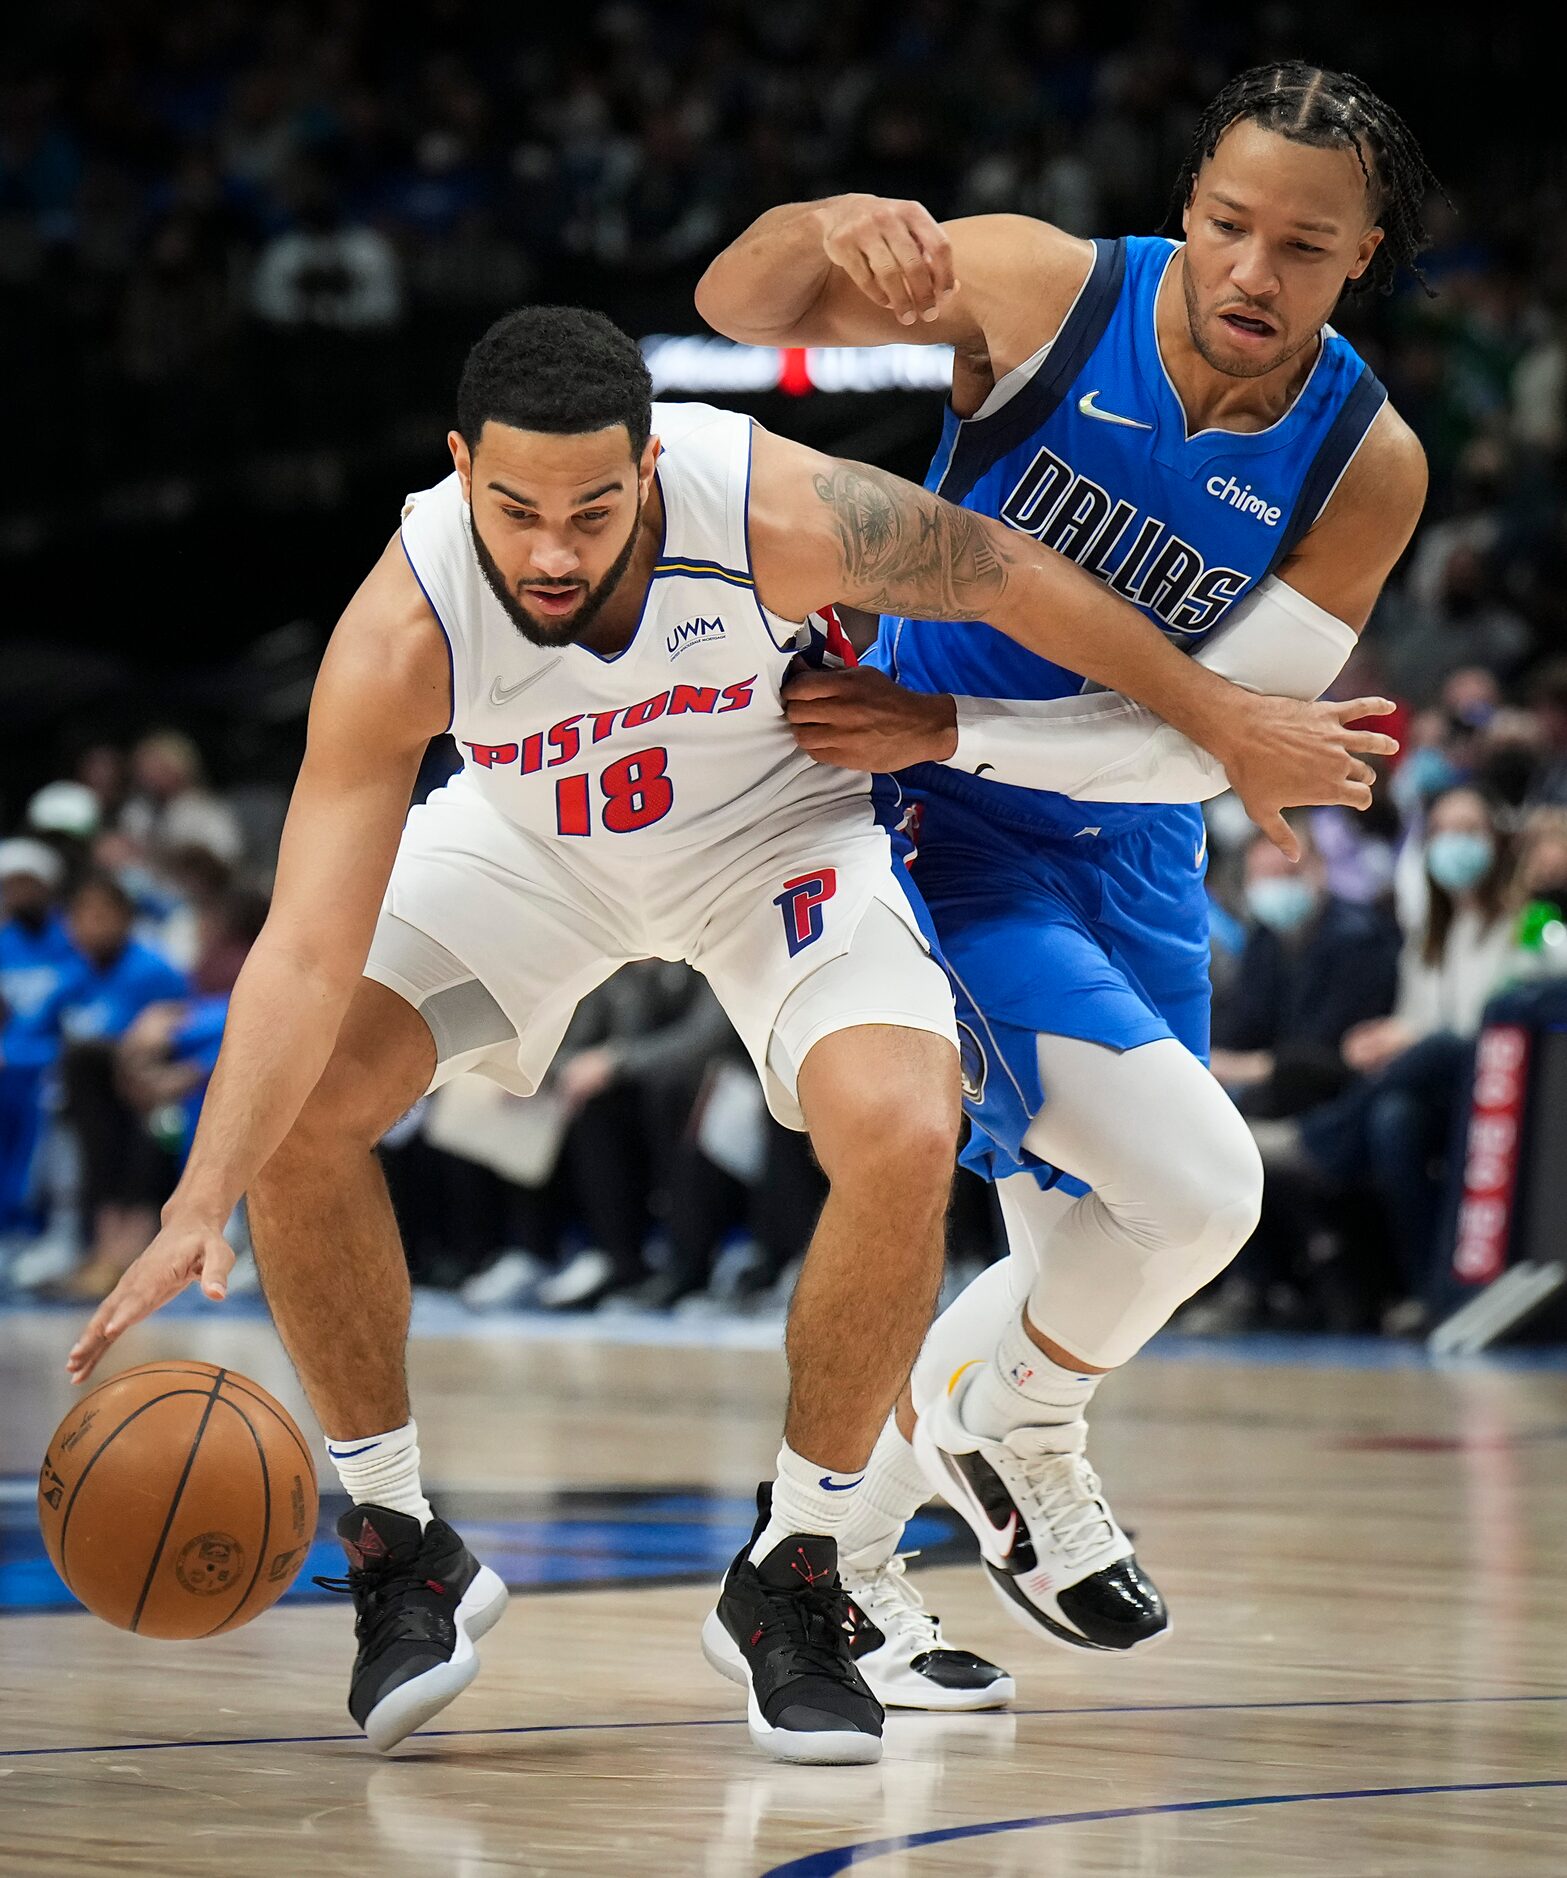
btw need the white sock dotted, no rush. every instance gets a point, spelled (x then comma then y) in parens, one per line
(1020, 1387)
(382, 1470)
(895, 1489)
(807, 1499)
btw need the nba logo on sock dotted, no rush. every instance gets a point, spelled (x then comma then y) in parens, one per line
(801, 904)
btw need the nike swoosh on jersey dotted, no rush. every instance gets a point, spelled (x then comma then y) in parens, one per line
(1089, 409)
(503, 694)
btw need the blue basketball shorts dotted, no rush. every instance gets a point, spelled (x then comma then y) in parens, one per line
(1099, 936)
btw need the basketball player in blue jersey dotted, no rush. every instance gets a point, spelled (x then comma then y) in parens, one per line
(1181, 420)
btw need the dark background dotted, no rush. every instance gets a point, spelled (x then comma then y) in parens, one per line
(191, 488)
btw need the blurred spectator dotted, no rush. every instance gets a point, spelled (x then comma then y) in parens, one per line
(1548, 694)
(1314, 968)
(170, 806)
(1394, 1132)
(628, 1076)
(126, 1175)
(36, 954)
(327, 271)
(1468, 622)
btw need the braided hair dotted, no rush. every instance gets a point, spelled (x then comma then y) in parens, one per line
(1309, 105)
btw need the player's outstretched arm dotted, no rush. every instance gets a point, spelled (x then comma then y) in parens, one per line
(1290, 637)
(824, 529)
(859, 270)
(382, 693)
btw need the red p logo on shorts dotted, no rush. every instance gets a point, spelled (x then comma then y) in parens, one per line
(801, 905)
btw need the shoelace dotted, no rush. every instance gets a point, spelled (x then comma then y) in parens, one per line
(377, 1605)
(811, 1622)
(1065, 1493)
(887, 1597)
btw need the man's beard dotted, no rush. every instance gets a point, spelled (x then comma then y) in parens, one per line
(1231, 367)
(569, 631)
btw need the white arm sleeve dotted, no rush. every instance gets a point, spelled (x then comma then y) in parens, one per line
(1101, 747)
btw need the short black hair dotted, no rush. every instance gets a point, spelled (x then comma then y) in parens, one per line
(556, 368)
(1309, 105)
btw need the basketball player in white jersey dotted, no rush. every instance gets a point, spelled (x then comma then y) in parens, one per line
(604, 618)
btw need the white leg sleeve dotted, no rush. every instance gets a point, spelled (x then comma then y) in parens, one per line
(968, 1331)
(1100, 747)
(1177, 1187)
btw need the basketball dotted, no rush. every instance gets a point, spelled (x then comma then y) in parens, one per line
(178, 1500)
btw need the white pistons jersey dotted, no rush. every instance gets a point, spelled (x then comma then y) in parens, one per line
(677, 741)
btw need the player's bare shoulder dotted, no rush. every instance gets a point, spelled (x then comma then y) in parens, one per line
(387, 661)
(1387, 474)
(1347, 554)
(1019, 277)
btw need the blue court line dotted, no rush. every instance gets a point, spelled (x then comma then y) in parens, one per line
(840, 1858)
(567, 1728)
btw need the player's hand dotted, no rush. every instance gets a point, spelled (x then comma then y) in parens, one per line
(896, 253)
(181, 1254)
(1283, 754)
(860, 719)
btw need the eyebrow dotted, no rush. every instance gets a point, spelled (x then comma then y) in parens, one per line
(527, 502)
(1314, 228)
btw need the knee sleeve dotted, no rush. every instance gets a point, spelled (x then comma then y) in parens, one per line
(1177, 1190)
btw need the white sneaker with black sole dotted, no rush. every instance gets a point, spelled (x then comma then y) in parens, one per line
(898, 1647)
(1051, 1548)
(579, 1284)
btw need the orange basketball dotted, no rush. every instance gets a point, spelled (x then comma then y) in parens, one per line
(178, 1499)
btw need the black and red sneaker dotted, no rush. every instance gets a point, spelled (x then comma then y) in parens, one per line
(421, 1599)
(782, 1629)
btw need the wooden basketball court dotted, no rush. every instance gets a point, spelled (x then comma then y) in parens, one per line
(1367, 1567)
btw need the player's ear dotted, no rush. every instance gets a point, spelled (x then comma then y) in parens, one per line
(462, 461)
(645, 467)
(1370, 241)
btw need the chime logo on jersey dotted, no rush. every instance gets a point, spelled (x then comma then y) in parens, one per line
(1139, 556)
(801, 904)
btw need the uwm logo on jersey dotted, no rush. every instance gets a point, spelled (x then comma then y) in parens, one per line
(693, 632)
(1139, 556)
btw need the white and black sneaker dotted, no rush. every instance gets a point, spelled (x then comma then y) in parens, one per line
(420, 1600)
(1051, 1547)
(781, 1629)
(898, 1647)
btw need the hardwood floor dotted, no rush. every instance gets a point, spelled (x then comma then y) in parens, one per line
(1367, 1675)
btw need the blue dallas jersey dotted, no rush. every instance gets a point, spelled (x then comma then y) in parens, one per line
(1090, 455)
(1081, 919)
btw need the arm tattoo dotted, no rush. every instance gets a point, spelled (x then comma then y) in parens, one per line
(907, 551)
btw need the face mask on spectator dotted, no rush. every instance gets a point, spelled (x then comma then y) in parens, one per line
(1282, 905)
(1422, 774)
(1458, 861)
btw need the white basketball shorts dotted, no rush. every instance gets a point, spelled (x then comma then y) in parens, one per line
(803, 926)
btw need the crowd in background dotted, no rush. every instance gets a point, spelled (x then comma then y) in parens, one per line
(227, 229)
